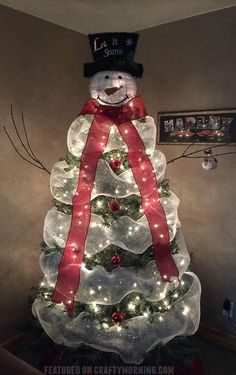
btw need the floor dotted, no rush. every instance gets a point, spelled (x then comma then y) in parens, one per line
(210, 359)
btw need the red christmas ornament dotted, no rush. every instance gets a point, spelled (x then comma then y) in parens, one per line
(116, 261)
(117, 317)
(115, 164)
(114, 206)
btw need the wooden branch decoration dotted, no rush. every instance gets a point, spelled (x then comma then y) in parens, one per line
(31, 158)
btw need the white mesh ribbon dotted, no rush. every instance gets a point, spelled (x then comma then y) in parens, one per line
(78, 133)
(140, 334)
(109, 288)
(63, 182)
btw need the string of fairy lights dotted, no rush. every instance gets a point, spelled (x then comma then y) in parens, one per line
(110, 209)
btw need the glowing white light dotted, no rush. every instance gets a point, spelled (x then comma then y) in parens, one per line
(64, 180)
(119, 329)
(146, 314)
(99, 204)
(138, 298)
(131, 306)
(105, 325)
(186, 310)
(155, 225)
(161, 235)
(158, 283)
(42, 283)
(126, 131)
(105, 299)
(182, 282)
(99, 287)
(91, 291)
(127, 191)
(136, 228)
(182, 262)
(100, 245)
(130, 228)
(165, 202)
(176, 295)
(165, 303)
(160, 318)
(135, 284)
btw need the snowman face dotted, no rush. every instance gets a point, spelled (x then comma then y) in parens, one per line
(112, 88)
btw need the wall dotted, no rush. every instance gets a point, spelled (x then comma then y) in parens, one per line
(41, 70)
(191, 65)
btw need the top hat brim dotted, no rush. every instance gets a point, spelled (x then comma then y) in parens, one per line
(132, 68)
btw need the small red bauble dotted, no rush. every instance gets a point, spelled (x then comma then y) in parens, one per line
(115, 164)
(114, 206)
(117, 317)
(116, 260)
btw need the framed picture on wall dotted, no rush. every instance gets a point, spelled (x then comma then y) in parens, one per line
(197, 127)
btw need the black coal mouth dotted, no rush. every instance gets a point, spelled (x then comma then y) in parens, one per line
(121, 101)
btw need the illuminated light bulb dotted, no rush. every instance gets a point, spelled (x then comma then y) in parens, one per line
(100, 245)
(119, 329)
(122, 167)
(76, 193)
(61, 227)
(99, 287)
(136, 228)
(159, 190)
(69, 301)
(176, 295)
(127, 191)
(141, 210)
(146, 314)
(160, 318)
(60, 234)
(126, 131)
(182, 282)
(105, 325)
(158, 283)
(186, 310)
(64, 180)
(159, 308)
(136, 186)
(130, 228)
(117, 191)
(144, 179)
(162, 236)
(129, 233)
(165, 303)
(131, 306)
(135, 284)
(182, 262)
(155, 225)
(138, 298)
(86, 206)
(99, 204)
(74, 256)
(42, 283)
(168, 307)
(108, 241)
(168, 222)
(118, 154)
(65, 195)
(165, 202)
(105, 299)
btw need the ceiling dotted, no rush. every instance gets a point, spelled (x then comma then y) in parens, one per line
(90, 16)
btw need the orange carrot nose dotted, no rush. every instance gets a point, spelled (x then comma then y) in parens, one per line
(112, 90)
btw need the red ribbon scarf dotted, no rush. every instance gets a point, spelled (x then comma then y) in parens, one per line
(104, 117)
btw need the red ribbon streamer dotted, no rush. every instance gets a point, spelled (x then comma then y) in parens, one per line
(104, 117)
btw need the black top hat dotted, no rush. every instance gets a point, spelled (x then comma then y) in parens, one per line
(113, 51)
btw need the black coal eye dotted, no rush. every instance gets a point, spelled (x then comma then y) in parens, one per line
(120, 77)
(106, 77)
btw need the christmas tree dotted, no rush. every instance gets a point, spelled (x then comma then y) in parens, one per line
(114, 259)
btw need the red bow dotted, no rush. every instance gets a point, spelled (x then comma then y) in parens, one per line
(104, 117)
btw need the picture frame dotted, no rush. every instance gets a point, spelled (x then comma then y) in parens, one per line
(200, 127)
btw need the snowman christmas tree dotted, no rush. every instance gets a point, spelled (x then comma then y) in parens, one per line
(114, 259)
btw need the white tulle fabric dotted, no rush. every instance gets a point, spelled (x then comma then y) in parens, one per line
(130, 343)
(109, 288)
